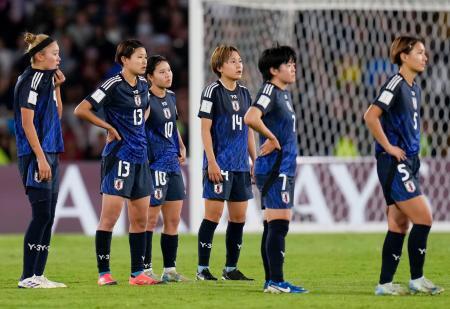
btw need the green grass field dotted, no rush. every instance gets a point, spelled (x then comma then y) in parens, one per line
(341, 271)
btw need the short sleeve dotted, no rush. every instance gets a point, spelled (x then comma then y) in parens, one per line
(99, 97)
(264, 99)
(29, 91)
(263, 102)
(207, 102)
(387, 96)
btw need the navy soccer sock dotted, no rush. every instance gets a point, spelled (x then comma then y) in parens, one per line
(148, 249)
(264, 251)
(275, 246)
(103, 250)
(41, 215)
(205, 238)
(392, 251)
(137, 251)
(41, 260)
(417, 248)
(169, 246)
(233, 241)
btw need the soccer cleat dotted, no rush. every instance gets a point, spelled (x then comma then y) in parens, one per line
(173, 276)
(284, 287)
(106, 279)
(29, 283)
(234, 275)
(390, 289)
(266, 286)
(149, 272)
(50, 284)
(205, 275)
(424, 285)
(143, 279)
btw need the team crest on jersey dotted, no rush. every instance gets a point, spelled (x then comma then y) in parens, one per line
(158, 193)
(137, 100)
(410, 186)
(285, 197)
(118, 184)
(235, 105)
(167, 113)
(414, 102)
(218, 188)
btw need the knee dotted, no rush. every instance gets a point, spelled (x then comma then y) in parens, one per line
(151, 223)
(239, 218)
(426, 221)
(171, 224)
(138, 224)
(213, 215)
(401, 227)
(106, 224)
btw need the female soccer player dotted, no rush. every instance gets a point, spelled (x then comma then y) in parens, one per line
(394, 121)
(37, 113)
(125, 171)
(166, 153)
(273, 116)
(228, 142)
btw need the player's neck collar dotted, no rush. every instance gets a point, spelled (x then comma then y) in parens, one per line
(165, 93)
(407, 81)
(124, 79)
(277, 86)
(227, 88)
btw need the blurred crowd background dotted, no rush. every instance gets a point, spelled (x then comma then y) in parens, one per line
(88, 32)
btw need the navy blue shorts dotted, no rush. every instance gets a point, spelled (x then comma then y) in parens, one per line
(399, 180)
(236, 187)
(29, 171)
(126, 179)
(169, 186)
(280, 194)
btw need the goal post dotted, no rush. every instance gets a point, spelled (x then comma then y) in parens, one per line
(343, 58)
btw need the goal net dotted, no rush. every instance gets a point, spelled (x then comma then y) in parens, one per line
(343, 59)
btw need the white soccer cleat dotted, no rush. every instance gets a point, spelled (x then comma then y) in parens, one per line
(149, 272)
(29, 283)
(173, 276)
(423, 285)
(48, 284)
(390, 289)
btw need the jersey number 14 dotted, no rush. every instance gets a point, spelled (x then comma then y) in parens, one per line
(237, 122)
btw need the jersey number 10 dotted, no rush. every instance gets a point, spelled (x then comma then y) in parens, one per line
(168, 129)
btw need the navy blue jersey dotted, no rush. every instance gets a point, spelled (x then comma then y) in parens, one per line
(162, 133)
(35, 89)
(401, 114)
(124, 107)
(229, 133)
(279, 118)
